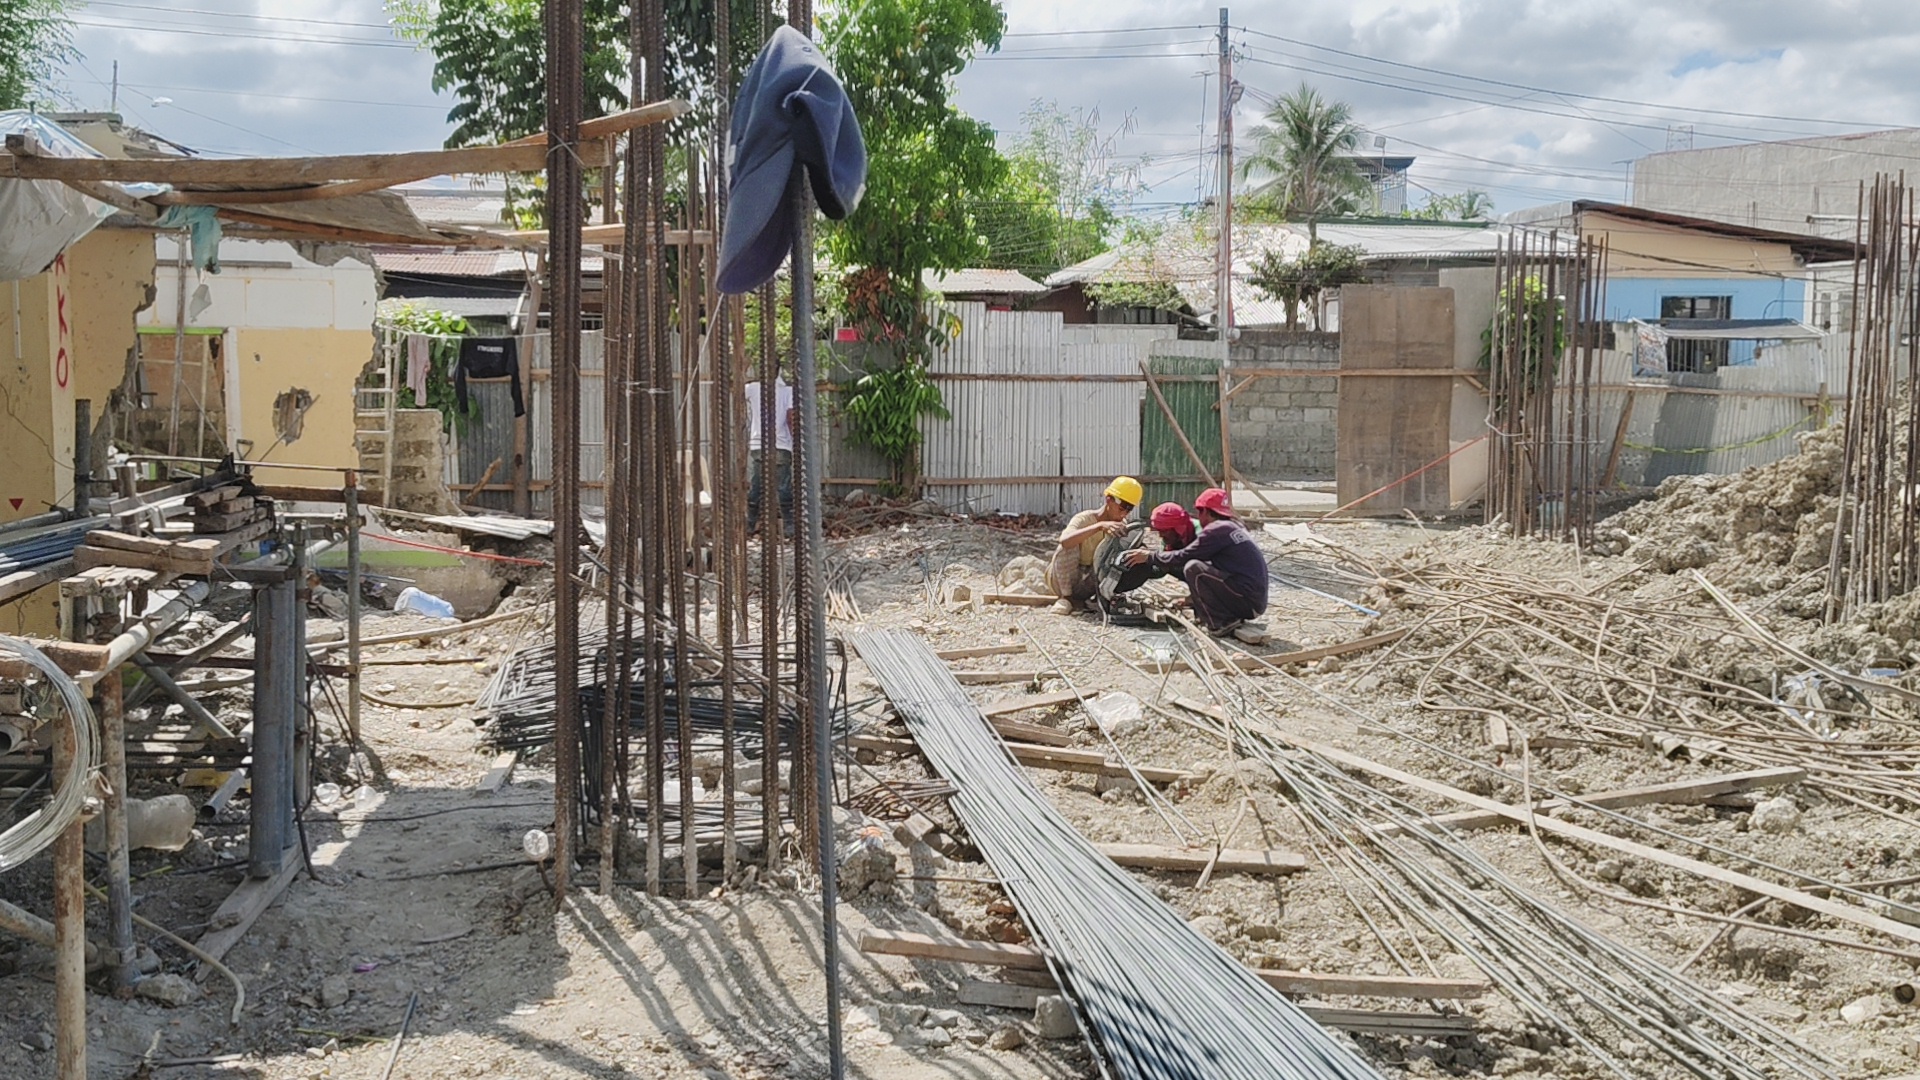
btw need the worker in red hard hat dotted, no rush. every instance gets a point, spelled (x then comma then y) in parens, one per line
(1225, 571)
(1175, 528)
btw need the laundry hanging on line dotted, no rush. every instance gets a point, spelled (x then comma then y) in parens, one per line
(488, 358)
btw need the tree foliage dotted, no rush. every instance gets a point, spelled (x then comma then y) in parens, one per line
(445, 329)
(36, 38)
(1470, 205)
(1064, 192)
(1299, 281)
(1304, 153)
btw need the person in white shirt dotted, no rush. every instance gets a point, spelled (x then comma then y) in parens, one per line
(783, 451)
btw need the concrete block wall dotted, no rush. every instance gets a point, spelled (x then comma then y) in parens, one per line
(1285, 428)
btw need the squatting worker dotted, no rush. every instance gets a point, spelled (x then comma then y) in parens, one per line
(1225, 570)
(1175, 528)
(1070, 572)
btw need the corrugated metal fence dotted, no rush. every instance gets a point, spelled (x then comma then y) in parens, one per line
(488, 436)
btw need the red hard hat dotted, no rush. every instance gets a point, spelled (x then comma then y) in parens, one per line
(1215, 500)
(1170, 516)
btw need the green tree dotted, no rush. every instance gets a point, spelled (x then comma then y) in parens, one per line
(36, 38)
(1299, 281)
(1064, 192)
(1470, 205)
(927, 165)
(1304, 154)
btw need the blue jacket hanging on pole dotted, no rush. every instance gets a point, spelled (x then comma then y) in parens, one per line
(791, 110)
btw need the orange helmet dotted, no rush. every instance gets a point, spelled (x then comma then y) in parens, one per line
(1215, 500)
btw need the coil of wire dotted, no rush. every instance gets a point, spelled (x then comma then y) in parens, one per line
(34, 833)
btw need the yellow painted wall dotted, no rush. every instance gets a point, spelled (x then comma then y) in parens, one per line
(1644, 250)
(325, 363)
(112, 281)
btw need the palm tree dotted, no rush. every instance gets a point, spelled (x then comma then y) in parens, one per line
(1305, 154)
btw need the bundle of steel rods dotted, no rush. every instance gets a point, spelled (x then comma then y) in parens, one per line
(1543, 363)
(1594, 992)
(26, 549)
(1877, 540)
(1160, 1000)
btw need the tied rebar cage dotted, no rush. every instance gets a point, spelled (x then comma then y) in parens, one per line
(677, 639)
(1542, 356)
(1875, 548)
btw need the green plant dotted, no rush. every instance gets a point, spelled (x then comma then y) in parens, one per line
(1470, 205)
(1528, 326)
(1157, 295)
(883, 407)
(1301, 281)
(1305, 150)
(36, 37)
(445, 332)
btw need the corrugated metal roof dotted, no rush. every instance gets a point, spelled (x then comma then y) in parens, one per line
(467, 307)
(964, 282)
(450, 262)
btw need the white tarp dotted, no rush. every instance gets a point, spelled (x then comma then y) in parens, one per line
(40, 218)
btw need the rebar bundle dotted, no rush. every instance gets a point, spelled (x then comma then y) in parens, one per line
(1875, 543)
(1543, 363)
(1158, 998)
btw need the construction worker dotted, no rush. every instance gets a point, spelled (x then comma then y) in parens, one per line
(1176, 531)
(1225, 571)
(1070, 572)
(783, 411)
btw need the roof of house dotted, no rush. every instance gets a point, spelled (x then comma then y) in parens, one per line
(1813, 249)
(969, 282)
(451, 262)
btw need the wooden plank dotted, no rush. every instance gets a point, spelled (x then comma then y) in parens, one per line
(227, 506)
(1677, 791)
(1405, 1024)
(1386, 986)
(995, 678)
(1088, 761)
(211, 496)
(243, 906)
(24, 582)
(958, 950)
(499, 772)
(289, 171)
(111, 582)
(119, 541)
(1017, 599)
(1749, 883)
(1002, 995)
(227, 543)
(1389, 427)
(88, 557)
(982, 650)
(1185, 860)
(1036, 734)
(221, 523)
(1031, 701)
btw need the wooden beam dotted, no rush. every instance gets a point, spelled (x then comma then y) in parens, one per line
(995, 678)
(1035, 734)
(334, 232)
(1619, 444)
(23, 582)
(1747, 882)
(1185, 860)
(1677, 791)
(1384, 986)
(289, 171)
(1063, 759)
(499, 772)
(957, 950)
(983, 650)
(1016, 599)
(1030, 701)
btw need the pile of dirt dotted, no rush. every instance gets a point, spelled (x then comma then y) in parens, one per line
(1772, 525)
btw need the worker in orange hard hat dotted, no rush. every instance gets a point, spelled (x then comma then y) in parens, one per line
(1225, 571)
(1070, 572)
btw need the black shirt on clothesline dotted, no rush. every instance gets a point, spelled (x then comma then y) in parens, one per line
(488, 358)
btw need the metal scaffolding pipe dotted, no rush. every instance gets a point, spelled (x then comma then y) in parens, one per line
(69, 932)
(144, 633)
(113, 746)
(278, 661)
(195, 711)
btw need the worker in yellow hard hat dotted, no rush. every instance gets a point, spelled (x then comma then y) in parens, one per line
(1070, 572)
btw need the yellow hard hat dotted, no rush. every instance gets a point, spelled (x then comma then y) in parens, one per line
(1126, 489)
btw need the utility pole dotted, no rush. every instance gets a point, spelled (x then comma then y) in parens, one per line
(1223, 253)
(115, 106)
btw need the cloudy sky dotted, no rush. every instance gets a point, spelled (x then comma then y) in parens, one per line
(1530, 101)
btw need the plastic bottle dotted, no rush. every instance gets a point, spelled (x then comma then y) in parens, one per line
(424, 603)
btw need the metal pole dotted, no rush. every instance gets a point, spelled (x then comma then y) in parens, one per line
(82, 456)
(275, 654)
(1223, 286)
(350, 495)
(113, 745)
(806, 380)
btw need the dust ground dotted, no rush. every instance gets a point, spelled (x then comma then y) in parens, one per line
(421, 892)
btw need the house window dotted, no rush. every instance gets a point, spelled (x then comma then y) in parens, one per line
(1696, 356)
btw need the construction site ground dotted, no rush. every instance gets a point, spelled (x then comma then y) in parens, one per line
(421, 892)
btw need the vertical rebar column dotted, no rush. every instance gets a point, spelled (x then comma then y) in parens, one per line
(659, 453)
(769, 574)
(612, 723)
(686, 533)
(277, 664)
(726, 495)
(350, 498)
(810, 603)
(563, 232)
(82, 456)
(69, 930)
(113, 750)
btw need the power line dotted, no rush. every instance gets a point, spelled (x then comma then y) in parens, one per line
(145, 28)
(236, 15)
(291, 97)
